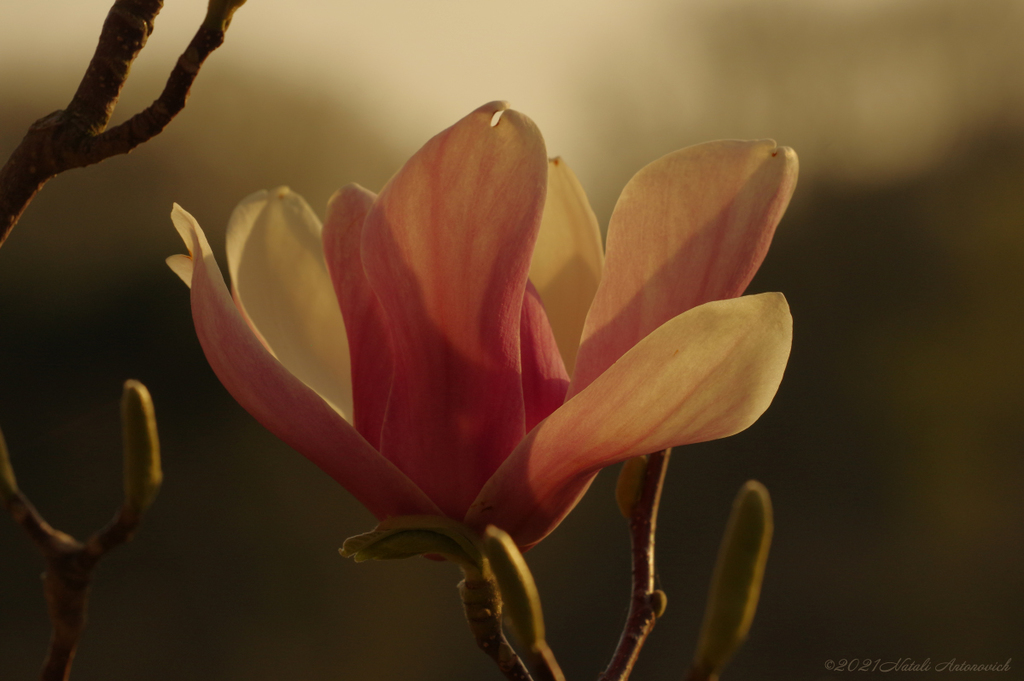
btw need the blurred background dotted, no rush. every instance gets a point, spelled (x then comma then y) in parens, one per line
(893, 451)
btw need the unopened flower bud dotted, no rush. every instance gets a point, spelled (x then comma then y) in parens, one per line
(142, 472)
(736, 584)
(518, 590)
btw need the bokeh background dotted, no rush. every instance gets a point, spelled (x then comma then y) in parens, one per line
(893, 451)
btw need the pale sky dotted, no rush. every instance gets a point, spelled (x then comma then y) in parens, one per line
(858, 87)
(420, 65)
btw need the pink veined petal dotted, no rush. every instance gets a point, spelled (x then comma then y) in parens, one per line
(281, 402)
(706, 374)
(446, 247)
(544, 377)
(280, 281)
(368, 341)
(689, 228)
(568, 258)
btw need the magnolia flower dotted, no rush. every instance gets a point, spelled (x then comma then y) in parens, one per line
(459, 345)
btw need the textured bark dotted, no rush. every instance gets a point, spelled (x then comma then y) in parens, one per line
(646, 603)
(78, 136)
(482, 602)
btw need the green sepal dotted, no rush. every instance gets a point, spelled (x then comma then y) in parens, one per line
(518, 590)
(415, 535)
(8, 483)
(143, 474)
(736, 584)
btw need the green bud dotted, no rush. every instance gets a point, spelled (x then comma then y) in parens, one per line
(219, 13)
(142, 472)
(630, 484)
(518, 590)
(414, 535)
(659, 601)
(8, 483)
(736, 584)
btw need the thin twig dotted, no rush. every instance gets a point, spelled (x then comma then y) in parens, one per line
(77, 136)
(69, 566)
(646, 603)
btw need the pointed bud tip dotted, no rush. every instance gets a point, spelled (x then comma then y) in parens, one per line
(736, 584)
(143, 473)
(518, 589)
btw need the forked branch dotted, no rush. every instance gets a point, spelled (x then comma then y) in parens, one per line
(78, 136)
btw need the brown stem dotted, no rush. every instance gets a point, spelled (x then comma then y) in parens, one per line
(482, 602)
(69, 566)
(646, 603)
(77, 136)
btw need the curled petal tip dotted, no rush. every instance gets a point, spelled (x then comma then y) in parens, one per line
(183, 223)
(181, 265)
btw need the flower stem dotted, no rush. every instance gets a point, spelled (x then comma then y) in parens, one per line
(646, 603)
(482, 602)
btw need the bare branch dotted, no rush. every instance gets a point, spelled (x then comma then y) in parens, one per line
(76, 136)
(69, 563)
(69, 566)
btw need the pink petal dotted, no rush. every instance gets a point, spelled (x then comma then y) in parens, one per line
(447, 248)
(568, 258)
(706, 374)
(368, 342)
(544, 377)
(281, 402)
(280, 280)
(689, 228)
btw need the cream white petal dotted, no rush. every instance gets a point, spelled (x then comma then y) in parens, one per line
(568, 258)
(181, 265)
(280, 282)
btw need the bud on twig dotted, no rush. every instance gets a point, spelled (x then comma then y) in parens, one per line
(521, 600)
(630, 484)
(142, 472)
(518, 590)
(736, 584)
